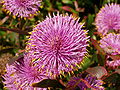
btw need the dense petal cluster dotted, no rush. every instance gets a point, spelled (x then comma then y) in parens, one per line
(58, 44)
(22, 8)
(111, 45)
(82, 82)
(22, 75)
(108, 18)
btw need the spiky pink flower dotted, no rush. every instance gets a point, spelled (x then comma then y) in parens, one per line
(85, 81)
(108, 18)
(58, 44)
(22, 8)
(111, 45)
(21, 75)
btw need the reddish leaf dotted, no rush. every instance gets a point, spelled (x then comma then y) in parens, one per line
(48, 83)
(98, 33)
(117, 70)
(15, 30)
(115, 57)
(101, 53)
(67, 8)
(96, 45)
(16, 58)
(4, 20)
(98, 71)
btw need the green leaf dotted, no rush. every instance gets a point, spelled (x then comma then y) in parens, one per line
(2, 33)
(101, 53)
(67, 1)
(85, 63)
(90, 20)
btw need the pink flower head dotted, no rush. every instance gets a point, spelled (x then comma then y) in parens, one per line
(85, 81)
(22, 8)
(111, 45)
(22, 75)
(108, 18)
(58, 43)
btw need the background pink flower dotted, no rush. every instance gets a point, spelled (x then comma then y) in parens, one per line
(21, 75)
(111, 45)
(22, 8)
(85, 81)
(108, 18)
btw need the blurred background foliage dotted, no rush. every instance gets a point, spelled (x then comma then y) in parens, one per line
(13, 30)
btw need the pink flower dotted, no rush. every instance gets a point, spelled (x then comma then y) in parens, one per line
(58, 44)
(111, 45)
(22, 8)
(21, 75)
(108, 18)
(85, 81)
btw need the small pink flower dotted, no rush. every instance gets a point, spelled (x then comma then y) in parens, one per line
(108, 18)
(21, 75)
(111, 45)
(22, 8)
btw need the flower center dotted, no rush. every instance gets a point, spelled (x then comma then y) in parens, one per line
(112, 21)
(56, 44)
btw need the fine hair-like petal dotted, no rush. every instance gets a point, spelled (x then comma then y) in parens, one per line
(108, 18)
(58, 44)
(22, 8)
